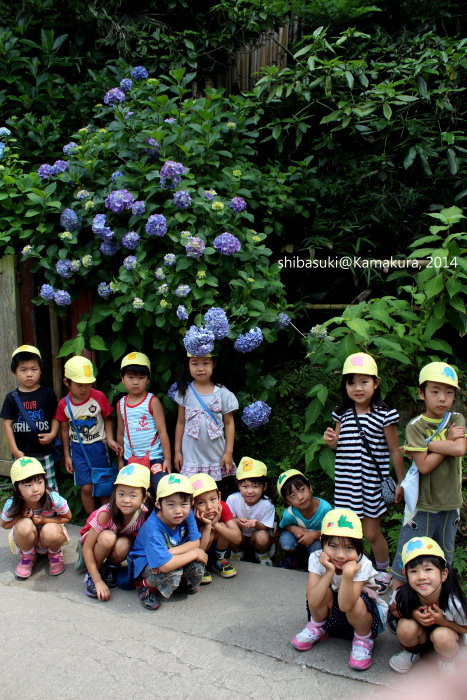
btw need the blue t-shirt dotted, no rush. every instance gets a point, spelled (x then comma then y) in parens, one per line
(155, 538)
(296, 518)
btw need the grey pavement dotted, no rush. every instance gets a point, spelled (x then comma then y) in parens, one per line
(231, 639)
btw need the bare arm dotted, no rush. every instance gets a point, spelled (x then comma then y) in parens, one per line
(109, 434)
(349, 590)
(426, 462)
(102, 590)
(65, 438)
(451, 448)
(120, 435)
(392, 439)
(230, 531)
(10, 438)
(158, 414)
(47, 438)
(179, 430)
(331, 436)
(317, 588)
(177, 561)
(229, 427)
(57, 520)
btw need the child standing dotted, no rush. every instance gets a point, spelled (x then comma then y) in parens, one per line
(439, 463)
(141, 425)
(357, 482)
(86, 431)
(110, 531)
(28, 413)
(301, 521)
(215, 521)
(205, 430)
(36, 518)
(431, 607)
(252, 509)
(167, 547)
(341, 591)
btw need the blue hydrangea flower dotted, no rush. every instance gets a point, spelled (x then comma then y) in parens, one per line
(199, 341)
(182, 313)
(4, 131)
(116, 174)
(249, 341)
(226, 243)
(156, 225)
(60, 166)
(69, 220)
(139, 73)
(70, 148)
(170, 120)
(45, 171)
(114, 97)
(172, 390)
(318, 332)
(155, 147)
(130, 240)
(170, 259)
(62, 298)
(47, 292)
(238, 204)
(256, 414)
(194, 247)
(128, 115)
(82, 194)
(283, 321)
(99, 227)
(182, 199)
(138, 208)
(118, 200)
(210, 194)
(216, 321)
(104, 290)
(126, 84)
(163, 289)
(182, 290)
(172, 171)
(159, 274)
(109, 247)
(2, 149)
(64, 268)
(130, 262)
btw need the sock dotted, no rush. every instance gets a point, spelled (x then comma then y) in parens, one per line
(318, 624)
(262, 555)
(28, 551)
(53, 551)
(382, 565)
(220, 553)
(362, 636)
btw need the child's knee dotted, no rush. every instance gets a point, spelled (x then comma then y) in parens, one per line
(52, 536)
(409, 632)
(444, 639)
(25, 527)
(86, 490)
(107, 539)
(261, 540)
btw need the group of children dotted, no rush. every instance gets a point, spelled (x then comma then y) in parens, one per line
(190, 531)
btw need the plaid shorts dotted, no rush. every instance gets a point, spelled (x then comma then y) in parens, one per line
(167, 583)
(49, 467)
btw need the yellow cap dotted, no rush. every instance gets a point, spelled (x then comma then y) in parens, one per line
(202, 483)
(419, 546)
(24, 468)
(27, 348)
(250, 468)
(134, 475)
(206, 354)
(342, 522)
(285, 476)
(136, 358)
(439, 372)
(360, 363)
(173, 483)
(79, 370)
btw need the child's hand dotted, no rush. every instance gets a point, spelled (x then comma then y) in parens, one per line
(455, 432)
(167, 466)
(350, 568)
(227, 462)
(399, 495)
(102, 590)
(326, 562)
(69, 465)
(117, 448)
(178, 460)
(437, 615)
(45, 438)
(243, 522)
(423, 616)
(306, 537)
(17, 454)
(201, 556)
(38, 519)
(330, 437)
(202, 518)
(217, 515)
(27, 513)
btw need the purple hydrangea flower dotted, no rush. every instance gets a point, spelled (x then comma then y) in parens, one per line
(172, 171)
(109, 247)
(116, 174)
(118, 200)
(226, 243)
(182, 199)
(170, 259)
(182, 313)
(155, 147)
(199, 341)
(130, 240)
(100, 229)
(172, 390)
(195, 247)
(249, 341)
(128, 115)
(256, 414)
(62, 298)
(64, 268)
(114, 97)
(47, 292)
(45, 171)
(104, 290)
(126, 84)
(138, 208)
(60, 166)
(139, 73)
(69, 220)
(70, 148)
(170, 120)
(210, 194)
(182, 290)
(283, 321)
(216, 321)
(238, 204)
(130, 262)
(156, 225)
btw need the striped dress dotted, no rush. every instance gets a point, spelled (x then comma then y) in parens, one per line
(356, 482)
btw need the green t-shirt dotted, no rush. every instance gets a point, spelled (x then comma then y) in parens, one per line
(441, 489)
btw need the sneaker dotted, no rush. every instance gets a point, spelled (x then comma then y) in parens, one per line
(392, 622)
(224, 568)
(383, 581)
(207, 578)
(263, 559)
(403, 661)
(236, 556)
(89, 586)
(309, 635)
(26, 564)
(56, 565)
(360, 656)
(110, 574)
(148, 597)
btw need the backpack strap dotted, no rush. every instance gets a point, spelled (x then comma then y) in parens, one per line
(24, 413)
(203, 404)
(73, 421)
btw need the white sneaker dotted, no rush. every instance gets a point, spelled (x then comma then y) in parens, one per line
(263, 559)
(236, 556)
(403, 661)
(383, 581)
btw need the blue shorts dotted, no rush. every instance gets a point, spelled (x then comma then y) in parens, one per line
(289, 543)
(97, 455)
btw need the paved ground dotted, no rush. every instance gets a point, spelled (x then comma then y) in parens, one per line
(232, 639)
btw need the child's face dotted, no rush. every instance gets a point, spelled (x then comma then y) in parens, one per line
(201, 368)
(340, 550)
(207, 504)
(32, 490)
(251, 491)
(135, 383)
(128, 498)
(79, 392)
(361, 389)
(438, 399)
(28, 374)
(300, 496)
(425, 578)
(173, 510)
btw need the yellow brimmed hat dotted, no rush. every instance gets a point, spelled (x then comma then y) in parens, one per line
(24, 468)
(285, 476)
(173, 483)
(136, 358)
(79, 369)
(134, 475)
(420, 546)
(250, 469)
(206, 354)
(342, 522)
(360, 363)
(27, 348)
(202, 483)
(439, 372)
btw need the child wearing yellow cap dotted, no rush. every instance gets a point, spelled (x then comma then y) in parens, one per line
(431, 608)
(110, 531)
(86, 431)
(28, 413)
(342, 597)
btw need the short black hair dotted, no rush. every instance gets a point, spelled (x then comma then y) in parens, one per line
(422, 386)
(295, 480)
(25, 356)
(136, 369)
(358, 544)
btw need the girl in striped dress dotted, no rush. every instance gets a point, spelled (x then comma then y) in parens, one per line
(357, 483)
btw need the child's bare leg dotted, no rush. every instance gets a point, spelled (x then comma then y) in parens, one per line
(372, 532)
(105, 543)
(51, 537)
(321, 611)
(120, 550)
(86, 498)
(222, 543)
(261, 541)
(445, 642)
(25, 534)
(360, 618)
(410, 633)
